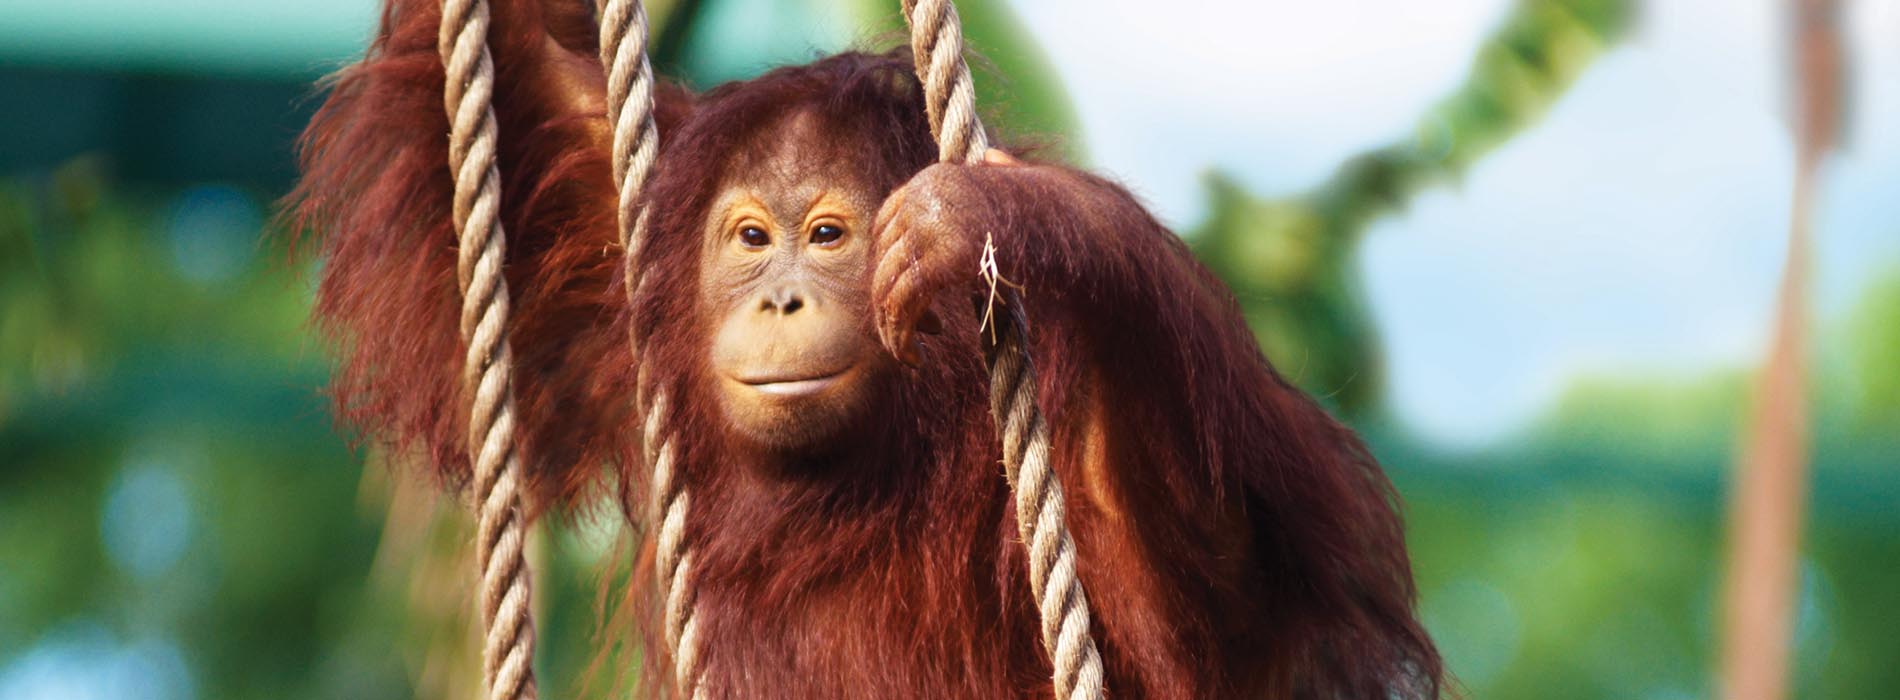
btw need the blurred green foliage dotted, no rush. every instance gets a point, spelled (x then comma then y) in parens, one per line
(1601, 532)
(1584, 561)
(173, 494)
(1877, 351)
(178, 517)
(164, 477)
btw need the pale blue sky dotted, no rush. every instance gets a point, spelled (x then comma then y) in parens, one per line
(1638, 229)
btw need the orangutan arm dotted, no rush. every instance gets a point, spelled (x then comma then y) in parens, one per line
(374, 198)
(1253, 513)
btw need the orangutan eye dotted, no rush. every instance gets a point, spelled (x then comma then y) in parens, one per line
(754, 237)
(826, 233)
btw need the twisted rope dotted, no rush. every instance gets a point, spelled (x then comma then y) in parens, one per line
(623, 53)
(488, 367)
(936, 40)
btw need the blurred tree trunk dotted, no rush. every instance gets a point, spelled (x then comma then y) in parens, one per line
(1771, 479)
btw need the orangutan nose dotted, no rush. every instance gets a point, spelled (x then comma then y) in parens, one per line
(783, 301)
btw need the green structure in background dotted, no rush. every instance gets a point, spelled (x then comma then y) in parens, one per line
(1289, 258)
(178, 517)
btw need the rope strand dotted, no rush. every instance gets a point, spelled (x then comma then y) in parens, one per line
(488, 368)
(936, 40)
(623, 53)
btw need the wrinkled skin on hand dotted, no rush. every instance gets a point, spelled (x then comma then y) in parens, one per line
(930, 235)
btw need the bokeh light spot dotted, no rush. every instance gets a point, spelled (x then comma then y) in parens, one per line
(212, 232)
(1476, 627)
(82, 661)
(146, 521)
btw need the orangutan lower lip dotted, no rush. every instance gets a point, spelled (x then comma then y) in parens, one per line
(793, 387)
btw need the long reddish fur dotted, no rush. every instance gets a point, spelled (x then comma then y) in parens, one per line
(1247, 544)
(376, 190)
